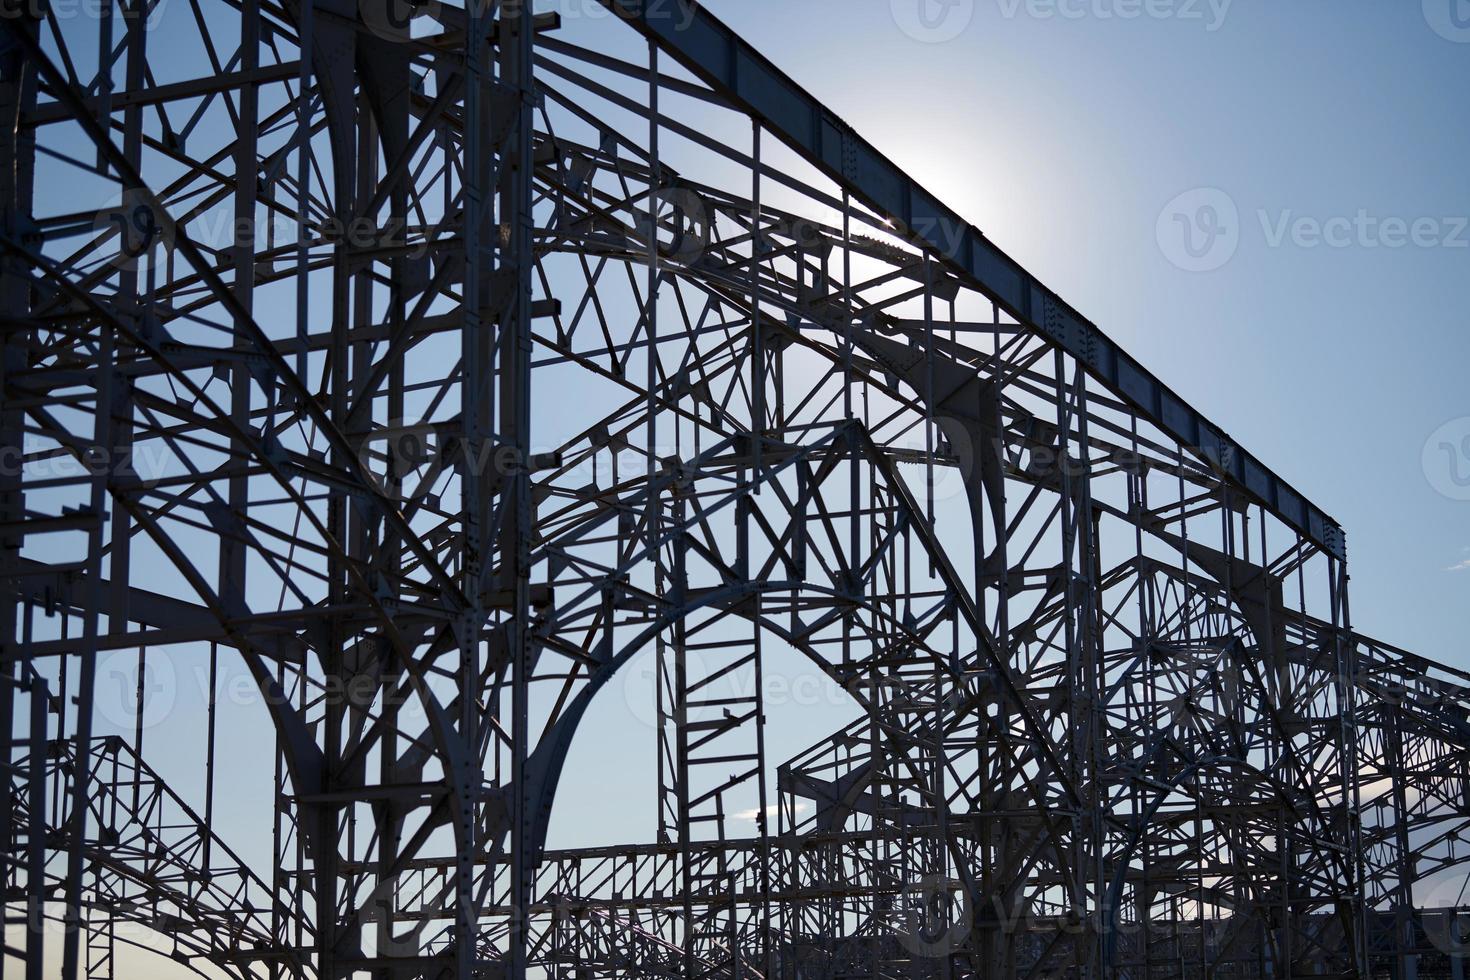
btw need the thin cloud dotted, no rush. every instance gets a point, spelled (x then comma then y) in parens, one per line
(748, 816)
(1463, 566)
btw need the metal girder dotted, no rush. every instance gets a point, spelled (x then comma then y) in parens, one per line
(516, 360)
(739, 73)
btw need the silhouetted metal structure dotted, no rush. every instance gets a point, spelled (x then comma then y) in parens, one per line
(474, 352)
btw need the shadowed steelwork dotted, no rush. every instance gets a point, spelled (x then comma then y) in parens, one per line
(429, 364)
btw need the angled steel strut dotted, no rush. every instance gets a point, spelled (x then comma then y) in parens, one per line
(403, 402)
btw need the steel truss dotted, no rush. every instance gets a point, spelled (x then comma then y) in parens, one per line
(533, 343)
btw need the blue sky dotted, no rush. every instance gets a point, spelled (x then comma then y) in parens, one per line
(1321, 324)
(1333, 340)
(1313, 151)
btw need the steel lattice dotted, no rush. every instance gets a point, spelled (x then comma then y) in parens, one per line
(435, 375)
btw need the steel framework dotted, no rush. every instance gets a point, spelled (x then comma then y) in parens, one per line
(434, 361)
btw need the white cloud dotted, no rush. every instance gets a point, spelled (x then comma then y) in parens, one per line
(1463, 566)
(748, 816)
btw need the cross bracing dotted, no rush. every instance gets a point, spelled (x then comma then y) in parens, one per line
(433, 376)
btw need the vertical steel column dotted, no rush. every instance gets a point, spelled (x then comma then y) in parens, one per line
(1092, 677)
(232, 548)
(17, 158)
(285, 816)
(1405, 962)
(1077, 726)
(36, 837)
(678, 585)
(517, 36)
(477, 365)
(1350, 778)
(757, 343)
